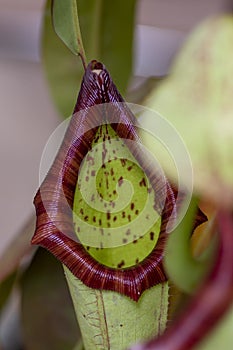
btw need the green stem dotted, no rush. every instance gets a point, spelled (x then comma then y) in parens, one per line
(81, 52)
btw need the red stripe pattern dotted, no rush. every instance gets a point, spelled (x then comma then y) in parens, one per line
(54, 199)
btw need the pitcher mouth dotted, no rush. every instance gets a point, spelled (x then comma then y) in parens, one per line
(54, 199)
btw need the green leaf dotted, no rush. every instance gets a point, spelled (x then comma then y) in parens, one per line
(48, 319)
(197, 99)
(104, 25)
(183, 269)
(63, 69)
(109, 320)
(66, 24)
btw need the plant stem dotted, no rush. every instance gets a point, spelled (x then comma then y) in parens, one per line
(79, 35)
